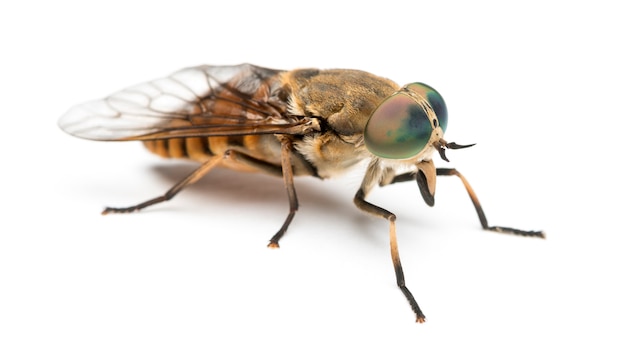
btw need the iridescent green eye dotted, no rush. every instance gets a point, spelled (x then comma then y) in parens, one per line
(436, 102)
(399, 128)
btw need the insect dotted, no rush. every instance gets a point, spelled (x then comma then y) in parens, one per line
(286, 123)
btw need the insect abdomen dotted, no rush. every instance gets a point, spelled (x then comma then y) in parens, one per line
(196, 148)
(264, 149)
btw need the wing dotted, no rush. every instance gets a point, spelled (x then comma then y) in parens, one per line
(197, 101)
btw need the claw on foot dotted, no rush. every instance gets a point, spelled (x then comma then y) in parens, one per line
(273, 245)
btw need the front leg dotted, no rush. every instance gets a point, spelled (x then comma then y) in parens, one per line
(420, 178)
(479, 209)
(371, 177)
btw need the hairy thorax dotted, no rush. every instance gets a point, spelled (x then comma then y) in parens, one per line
(343, 100)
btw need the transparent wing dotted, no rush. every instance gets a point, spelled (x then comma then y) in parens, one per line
(197, 101)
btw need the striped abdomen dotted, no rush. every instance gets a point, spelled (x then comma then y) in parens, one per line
(264, 148)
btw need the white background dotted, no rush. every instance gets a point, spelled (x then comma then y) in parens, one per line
(539, 86)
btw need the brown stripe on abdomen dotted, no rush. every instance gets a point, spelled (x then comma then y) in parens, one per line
(174, 148)
(159, 147)
(197, 148)
(235, 141)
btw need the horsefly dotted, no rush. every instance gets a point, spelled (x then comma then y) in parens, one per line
(286, 123)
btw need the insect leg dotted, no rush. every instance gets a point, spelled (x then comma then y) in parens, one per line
(479, 209)
(191, 178)
(410, 176)
(286, 147)
(359, 199)
(425, 176)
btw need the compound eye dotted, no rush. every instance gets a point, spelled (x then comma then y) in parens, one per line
(434, 99)
(399, 128)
